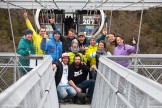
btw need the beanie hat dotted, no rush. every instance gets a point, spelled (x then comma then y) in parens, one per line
(57, 31)
(92, 38)
(74, 41)
(28, 31)
(74, 50)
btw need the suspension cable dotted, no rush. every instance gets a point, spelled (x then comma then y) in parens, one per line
(102, 4)
(40, 4)
(139, 35)
(56, 5)
(13, 39)
(47, 19)
(12, 4)
(11, 27)
(111, 16)
(85, 4)
(35, 26)
(129, 5)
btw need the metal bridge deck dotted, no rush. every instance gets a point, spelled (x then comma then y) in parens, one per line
(74, 106)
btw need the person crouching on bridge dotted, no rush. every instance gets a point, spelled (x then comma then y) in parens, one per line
(64, 90)
(25, 48)
(78, 77)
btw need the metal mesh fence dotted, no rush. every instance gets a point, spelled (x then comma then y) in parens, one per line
(6, 72)
(35, 89)
(148, 65)
(119, 87)
(11, 69)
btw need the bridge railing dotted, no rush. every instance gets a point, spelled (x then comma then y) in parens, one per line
(119, 87)
(35, 89)
(12, 67)
(149, 65)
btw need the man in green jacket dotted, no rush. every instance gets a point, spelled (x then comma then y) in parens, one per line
(25, 48)
(37, 37)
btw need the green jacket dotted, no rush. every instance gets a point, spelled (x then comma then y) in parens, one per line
(25, 46)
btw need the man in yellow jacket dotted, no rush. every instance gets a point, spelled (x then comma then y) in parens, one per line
(37, 38)
(91, 55)
(91, 52)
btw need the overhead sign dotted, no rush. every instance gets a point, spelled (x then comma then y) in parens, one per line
(88, 19)
(91, 19)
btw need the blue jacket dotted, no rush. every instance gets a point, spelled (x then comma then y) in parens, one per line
(52, 47)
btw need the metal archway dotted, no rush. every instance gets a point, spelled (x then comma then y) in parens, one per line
(102, 20)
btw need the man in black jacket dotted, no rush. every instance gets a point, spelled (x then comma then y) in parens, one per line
(78, 76)
(64, 90)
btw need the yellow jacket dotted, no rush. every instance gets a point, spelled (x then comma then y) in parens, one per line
(36, 38)
(90, 50)
(71, 54)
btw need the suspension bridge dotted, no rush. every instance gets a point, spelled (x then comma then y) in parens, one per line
(138, 86)
(116, 86)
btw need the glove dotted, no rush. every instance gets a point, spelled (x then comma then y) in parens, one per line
(92, 55)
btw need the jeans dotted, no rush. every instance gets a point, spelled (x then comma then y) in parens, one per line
(65, 92)
(94, 74)
(88, 84)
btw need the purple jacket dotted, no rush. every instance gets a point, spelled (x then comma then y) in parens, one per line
(124, 49)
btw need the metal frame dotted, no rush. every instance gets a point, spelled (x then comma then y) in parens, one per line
(82, 4)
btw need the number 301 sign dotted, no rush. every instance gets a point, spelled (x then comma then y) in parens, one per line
(88, 20)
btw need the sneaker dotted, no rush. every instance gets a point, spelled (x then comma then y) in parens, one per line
(61, 101)
(81, 98)
(81, 95)
(66, 100)
(89, 100)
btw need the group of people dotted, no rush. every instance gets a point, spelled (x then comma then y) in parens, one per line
(75, 57)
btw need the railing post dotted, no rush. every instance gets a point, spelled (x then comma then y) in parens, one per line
(14, 71)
